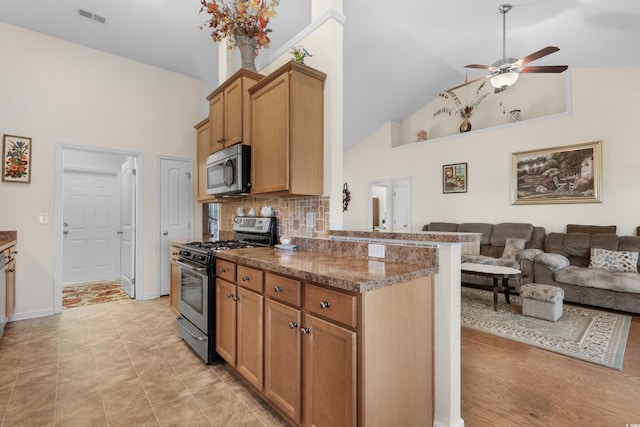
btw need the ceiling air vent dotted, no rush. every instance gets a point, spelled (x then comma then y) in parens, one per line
(92, 16)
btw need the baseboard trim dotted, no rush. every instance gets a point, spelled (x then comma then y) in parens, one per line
(31, 314)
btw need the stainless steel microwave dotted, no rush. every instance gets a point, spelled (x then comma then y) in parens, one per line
(228, 171)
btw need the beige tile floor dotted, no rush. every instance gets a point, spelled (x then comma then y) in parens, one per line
(117, 364)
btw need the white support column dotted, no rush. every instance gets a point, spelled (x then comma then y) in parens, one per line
(447, 337)
(226, 61)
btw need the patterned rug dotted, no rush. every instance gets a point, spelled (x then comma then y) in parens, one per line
(92, 293)
(595, 336)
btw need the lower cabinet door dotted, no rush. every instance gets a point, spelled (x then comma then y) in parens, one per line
(330, 354)
(226, 321)
(282, 357)
(250, 335)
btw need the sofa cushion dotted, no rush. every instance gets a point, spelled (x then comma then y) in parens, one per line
(630, 243)
(591, 229)
(477, 227)
(512, 247)
(602, 279)
(489, 260)
(502, 232)
(577, 246)
(604, 259)
(441, 226)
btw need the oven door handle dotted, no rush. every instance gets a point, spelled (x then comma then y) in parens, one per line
(191, 333)
(191, 267)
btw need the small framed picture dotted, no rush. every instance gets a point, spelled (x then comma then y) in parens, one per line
(454, 178)
(16, 166)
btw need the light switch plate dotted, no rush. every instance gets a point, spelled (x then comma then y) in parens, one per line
(43, 218)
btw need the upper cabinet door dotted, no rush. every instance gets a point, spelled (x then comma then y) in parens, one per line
(229, 110)
(287, 123)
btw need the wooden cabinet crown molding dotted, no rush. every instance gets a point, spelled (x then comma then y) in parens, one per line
(242, 72)
(289, 66)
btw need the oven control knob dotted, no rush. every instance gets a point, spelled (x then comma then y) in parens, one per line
(201, 257)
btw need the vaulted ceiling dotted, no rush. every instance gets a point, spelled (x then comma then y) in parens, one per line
(397, 56)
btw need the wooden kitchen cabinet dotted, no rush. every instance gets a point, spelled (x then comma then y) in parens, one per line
(287, 138)
(229, 110)
(9, 291)
(203, 150)
(330, 373)
(239, 322)
(174, 278)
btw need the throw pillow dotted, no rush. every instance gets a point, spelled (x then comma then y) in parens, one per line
(604, 259)
(512, 247)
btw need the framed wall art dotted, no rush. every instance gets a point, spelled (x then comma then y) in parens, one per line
(569, 174)
(454, 178)
(16, 165)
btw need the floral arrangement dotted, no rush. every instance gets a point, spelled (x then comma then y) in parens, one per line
(230, 18)
(299, 53)
(465, 111)
(16, 160)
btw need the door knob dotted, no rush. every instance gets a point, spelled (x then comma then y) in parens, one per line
(164, 233)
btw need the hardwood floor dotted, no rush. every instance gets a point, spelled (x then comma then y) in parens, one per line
(505, 383)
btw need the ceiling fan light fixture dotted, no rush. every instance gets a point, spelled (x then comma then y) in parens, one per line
(504, 79)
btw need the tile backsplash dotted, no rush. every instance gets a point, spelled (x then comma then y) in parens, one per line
(297, 216)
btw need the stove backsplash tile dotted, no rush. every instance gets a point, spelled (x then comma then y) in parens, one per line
(297, 216)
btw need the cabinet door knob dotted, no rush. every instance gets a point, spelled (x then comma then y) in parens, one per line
(229, 295)
(325, 304)
(305, 331)
(245, 278)
(11, 270)
(293, 325)
(278, 289)
(235, 298)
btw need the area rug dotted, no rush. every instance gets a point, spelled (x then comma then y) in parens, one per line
(595, 336)
(92, 293)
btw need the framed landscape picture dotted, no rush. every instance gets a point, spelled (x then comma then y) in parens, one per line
(569, 174)
(454, 178)
(16, 165)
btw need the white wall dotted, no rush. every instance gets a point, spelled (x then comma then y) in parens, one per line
(54, 91)
(604, 107)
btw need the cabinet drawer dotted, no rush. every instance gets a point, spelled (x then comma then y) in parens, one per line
(283, 289)
(250, 278)
(226, 270)
(331, 304)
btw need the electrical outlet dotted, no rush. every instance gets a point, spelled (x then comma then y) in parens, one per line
(376, 251)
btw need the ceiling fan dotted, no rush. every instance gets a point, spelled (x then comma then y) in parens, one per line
(505, 72)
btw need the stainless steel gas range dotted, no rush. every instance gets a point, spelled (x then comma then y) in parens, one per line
(197, 261)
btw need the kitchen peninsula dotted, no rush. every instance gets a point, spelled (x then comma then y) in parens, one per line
(329, 335)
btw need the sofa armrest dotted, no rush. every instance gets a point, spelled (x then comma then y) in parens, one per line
(529, 254)
(553, 262)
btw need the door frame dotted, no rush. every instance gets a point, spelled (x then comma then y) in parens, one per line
(390, 184)
(163, 262)
(59, 204)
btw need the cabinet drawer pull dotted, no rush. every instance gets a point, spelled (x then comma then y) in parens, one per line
(305, 331)
(278, 289)
(245, 278)
(325, 304)
(222, 270)
(293, 325)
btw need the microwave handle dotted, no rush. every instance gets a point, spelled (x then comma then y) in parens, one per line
(228, 164)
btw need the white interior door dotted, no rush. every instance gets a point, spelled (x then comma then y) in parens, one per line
(127, 227)
(176, 210)
(90, 223)
(401, 208)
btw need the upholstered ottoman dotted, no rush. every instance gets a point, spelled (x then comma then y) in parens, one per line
(542, 301)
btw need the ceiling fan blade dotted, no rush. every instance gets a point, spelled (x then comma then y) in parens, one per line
(466, 83)
(545, 69)
(483, 67)
(536, 55)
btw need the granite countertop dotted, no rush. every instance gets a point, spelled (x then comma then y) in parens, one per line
(7, 238)
(325, 268)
